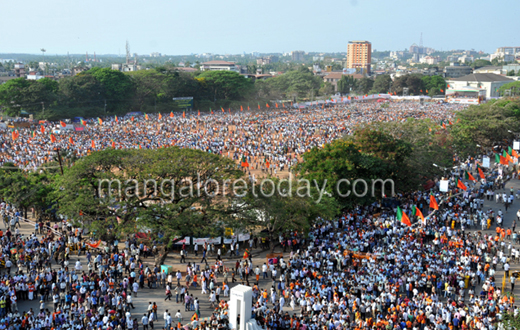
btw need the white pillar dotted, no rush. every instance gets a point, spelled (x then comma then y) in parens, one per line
(244, 294)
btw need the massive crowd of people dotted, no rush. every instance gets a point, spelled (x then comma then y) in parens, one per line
(364, 270)
(279, 136)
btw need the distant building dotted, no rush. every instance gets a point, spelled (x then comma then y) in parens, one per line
(298, 55)
(218, 66)
(19, 70)
(77, 70)
(489, 81)
(155, 54)
(430, 60)
(455, 70)
(35, 76)
(359, 55)
(267, 60)
(489, 69)
(466, 59)
(334, 77)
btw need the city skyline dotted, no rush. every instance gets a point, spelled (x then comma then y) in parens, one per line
(175, 28)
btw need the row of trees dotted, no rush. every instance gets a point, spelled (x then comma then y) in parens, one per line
(417, 84)
(98, 91)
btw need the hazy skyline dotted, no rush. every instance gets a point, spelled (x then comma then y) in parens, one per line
(233, 27)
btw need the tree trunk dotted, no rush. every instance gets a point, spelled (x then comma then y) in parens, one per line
(271, 242)
(161, 256)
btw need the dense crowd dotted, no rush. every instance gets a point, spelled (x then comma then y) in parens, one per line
(270, 140)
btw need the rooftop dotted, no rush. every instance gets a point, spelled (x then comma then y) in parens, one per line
(338, 75)
(482, 77)
(218, 63)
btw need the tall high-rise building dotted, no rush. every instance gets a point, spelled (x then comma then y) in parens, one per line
(297, 55)
(359, 55)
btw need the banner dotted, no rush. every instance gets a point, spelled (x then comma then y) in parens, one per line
(443, 186)
(228, 240)
(201, 241)
(185, 240)
(244, 237)
(485, 162)
(516, 145)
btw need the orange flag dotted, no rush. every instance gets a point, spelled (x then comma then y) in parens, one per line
(481, 173)
(241, 108)
(160, 116)
(276, 105)
(14, 135)
(42, 129)
(419, 213)
(198, 113)
(53, 138)
(461, 185)
(71, 141)
(183, 114)
(433, 203)
(93, 145)
(514, 153)
(62, 124)
(267, 105)
(113, 144)
(171, 114)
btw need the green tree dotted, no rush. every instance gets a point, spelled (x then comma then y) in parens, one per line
(280, 207)
(177, 201)
(382, 84)
(346, 84)
(480, 63)
(510, 89)
(117, 86)
(368, 155)
(486, 125)
(327, 89)
(226, 85)
(364, 85)
(511, 73)
(434, 84)
(149, 86)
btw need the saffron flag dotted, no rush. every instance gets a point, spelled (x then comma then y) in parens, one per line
(276, 105)
(84, 123)
(503, 160)
(258, 106)
(402, 217)
(171, 114)
(146, 116)
(117, 120)
(223, 111)
(42, 129)
(95, 245)
(481, 173)
(184, 114)
(160, 116)
(53, 138)
(71, 141)
(460, 184)
(93, 144)
(62, 124)
(267, 105)
(195, 317)
(113, 144)
(198, 113)
(241, 108)
(100, 121)
(514, 153)
(14, 135)
(417, 212)
(132, 118)
(248, 107)
(433, 202)
(468, 176)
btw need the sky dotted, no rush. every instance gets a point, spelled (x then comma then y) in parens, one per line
(270, 26)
